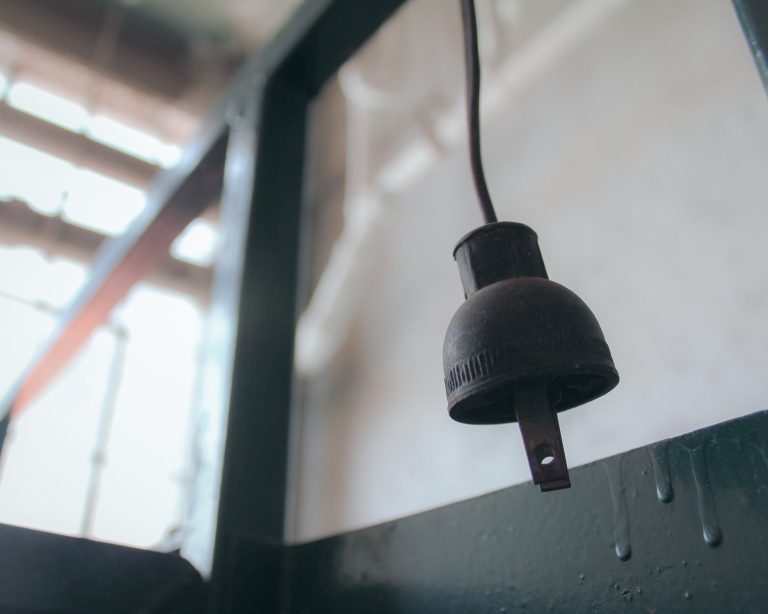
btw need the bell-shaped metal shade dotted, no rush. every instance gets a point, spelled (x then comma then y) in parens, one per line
(517, 331)
(519, 340)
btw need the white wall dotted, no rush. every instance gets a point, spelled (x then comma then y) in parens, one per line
(641, 160)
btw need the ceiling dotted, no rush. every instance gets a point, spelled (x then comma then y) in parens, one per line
(236, 25)
(181, 51)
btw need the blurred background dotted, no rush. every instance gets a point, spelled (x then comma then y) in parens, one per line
(96, 98)
(631, 135)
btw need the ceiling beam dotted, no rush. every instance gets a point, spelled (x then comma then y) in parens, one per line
(20, 226)
(74, 147)
(145, 89)
(176, 198)
(145, 56)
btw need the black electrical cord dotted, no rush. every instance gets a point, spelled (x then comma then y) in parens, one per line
(472, 60)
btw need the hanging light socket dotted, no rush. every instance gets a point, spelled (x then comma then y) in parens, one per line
(521, 347)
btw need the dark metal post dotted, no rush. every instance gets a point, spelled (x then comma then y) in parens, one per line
(254, 301)
(260, 212)
(753, 15)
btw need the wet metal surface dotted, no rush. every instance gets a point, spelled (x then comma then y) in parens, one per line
(617, 541)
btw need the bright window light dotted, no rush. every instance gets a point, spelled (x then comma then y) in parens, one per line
(64, 279)
(102, 204)
(22, 272)
(48, 106)
(132, 141)
(32, 176)
(3, 86)
(150, 313)
(197, 244)
(168, 155)
(28, 274)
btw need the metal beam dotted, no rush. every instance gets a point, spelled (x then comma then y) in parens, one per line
(257, 279)
(249, 378)
(177, 197)
(310, 48)
(74, 147)
(19, 225)
(180, 194)
(753, 15)
(253, 299)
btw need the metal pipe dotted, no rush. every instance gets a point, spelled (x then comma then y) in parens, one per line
(108, 407)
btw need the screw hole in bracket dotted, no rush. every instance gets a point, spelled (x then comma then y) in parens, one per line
(545, 455)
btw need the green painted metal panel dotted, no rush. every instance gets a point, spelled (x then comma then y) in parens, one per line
(680, 526)
(43, 572)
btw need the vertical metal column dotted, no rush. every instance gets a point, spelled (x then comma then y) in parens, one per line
(254, 299)
(753, 15)
(260, 211)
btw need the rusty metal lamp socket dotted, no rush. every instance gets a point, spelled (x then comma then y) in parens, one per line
(521, 347)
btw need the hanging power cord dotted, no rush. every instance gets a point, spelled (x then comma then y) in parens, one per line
(472, 61)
